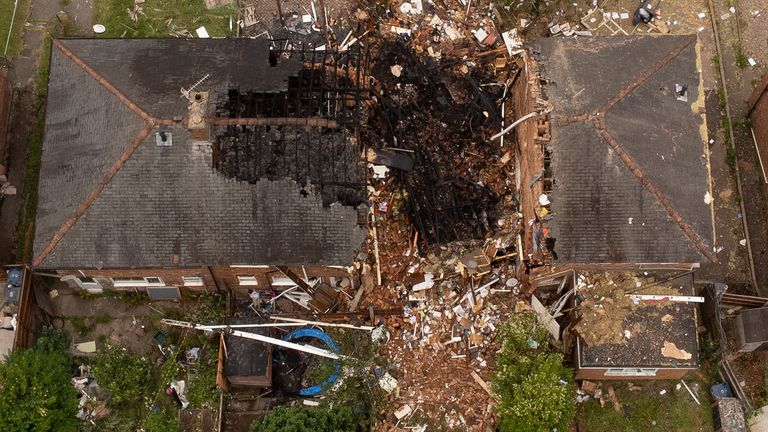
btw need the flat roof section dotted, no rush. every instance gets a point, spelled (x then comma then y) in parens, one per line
(618, 331)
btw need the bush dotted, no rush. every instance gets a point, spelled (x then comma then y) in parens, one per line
(536, 389)
(35, 394)
(202, 390)
(161, 422)
(53, 340)
(314, 419)
(125, 375)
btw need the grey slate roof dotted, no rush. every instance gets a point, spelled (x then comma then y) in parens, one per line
(168, 206)
(602, 211)
(150, 72)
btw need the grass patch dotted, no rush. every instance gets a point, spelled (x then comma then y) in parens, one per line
(83, 326)
(741, 58)
(26, 233)
(161, 19)
(721, 98)
(647, 410)
(133, 298)
(86, 325)
(730, 156)
(6, 13)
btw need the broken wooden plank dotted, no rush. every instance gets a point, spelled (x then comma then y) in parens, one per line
(614, 399)
(302, 284)
(658, 298)
(483, 384)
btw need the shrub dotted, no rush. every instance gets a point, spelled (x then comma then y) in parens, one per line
(35, 394)
(323, 418)
(125, 375)
(536, 389)
(161, 422)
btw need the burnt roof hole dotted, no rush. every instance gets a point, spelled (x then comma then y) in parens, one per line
(304, 193)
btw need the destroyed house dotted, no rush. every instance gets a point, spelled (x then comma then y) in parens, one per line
(199, 163)
(614, 166)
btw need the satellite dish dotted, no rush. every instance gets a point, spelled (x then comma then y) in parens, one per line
(98, 29)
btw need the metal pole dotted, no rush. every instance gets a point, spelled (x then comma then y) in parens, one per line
(10, 27)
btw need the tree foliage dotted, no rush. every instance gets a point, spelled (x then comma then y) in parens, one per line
(536, 389)
(35, 393)
(324, 418)
(125, 375)
(161, 422)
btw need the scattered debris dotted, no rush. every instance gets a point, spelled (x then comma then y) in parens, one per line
(671, 351)
(202, 32)
(614, 399)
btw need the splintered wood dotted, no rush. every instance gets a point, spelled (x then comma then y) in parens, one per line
(443, 344)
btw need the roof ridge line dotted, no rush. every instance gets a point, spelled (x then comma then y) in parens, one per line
(626, 91)
(103, 81)
(95, 192)
(634, 168)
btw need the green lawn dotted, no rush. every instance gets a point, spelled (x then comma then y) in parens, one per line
(160, 18)
(6, 12)
(674, 411)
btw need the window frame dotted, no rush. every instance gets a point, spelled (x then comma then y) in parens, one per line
(131, 282)
(247, 280)
(634, 372)
(192, 281)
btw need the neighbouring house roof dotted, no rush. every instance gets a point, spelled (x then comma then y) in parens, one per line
(629, 161)
(110, 197)
(615, 331)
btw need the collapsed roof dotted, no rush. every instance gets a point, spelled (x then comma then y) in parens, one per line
(616, 330)
(629, 159)
(132, 176)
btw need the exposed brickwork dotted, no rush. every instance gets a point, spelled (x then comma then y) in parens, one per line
(759, 93)
(758, 114)
(216, 278)
(530, 137)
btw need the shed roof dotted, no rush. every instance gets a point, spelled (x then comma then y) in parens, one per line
(630, 334)
(629, 160)
(110, 197)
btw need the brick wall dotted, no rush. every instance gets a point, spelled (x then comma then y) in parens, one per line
(530, 137)
(216, 278)
(6, 96)
(758, 114)
(599, 375)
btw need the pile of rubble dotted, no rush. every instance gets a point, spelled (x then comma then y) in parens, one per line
(441, 349)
